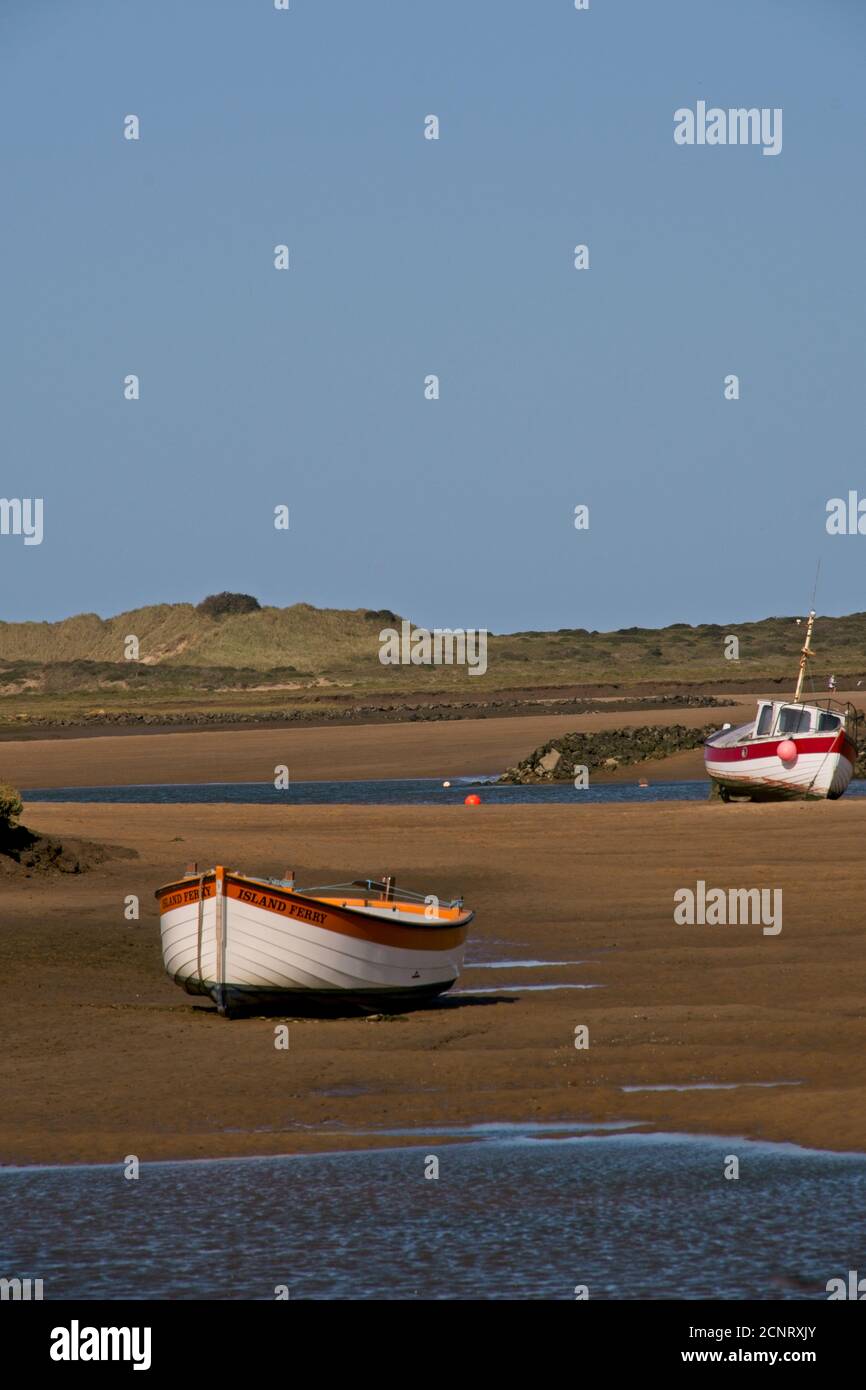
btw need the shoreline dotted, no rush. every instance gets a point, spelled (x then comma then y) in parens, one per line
(355, 752)
(427, 1137)
(352, 751)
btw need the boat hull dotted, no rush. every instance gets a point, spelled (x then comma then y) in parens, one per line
(251, 945)
(821, 768)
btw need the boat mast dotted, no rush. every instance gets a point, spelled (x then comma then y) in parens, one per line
(804, 657)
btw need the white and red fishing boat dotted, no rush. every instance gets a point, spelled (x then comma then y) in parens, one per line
(794, 749)
(252, 942)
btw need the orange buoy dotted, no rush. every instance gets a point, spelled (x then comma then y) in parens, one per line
(472, 800)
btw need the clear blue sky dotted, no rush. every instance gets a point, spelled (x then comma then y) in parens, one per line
(411, 257)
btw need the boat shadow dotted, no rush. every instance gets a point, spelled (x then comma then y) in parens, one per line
(356, 1009)
(476, 1001)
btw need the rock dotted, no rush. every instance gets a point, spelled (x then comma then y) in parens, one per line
(26, 853)
(609, 750)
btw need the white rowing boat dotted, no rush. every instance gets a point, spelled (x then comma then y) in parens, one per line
(250, 942)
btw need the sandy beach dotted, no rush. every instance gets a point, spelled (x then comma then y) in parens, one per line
(103, 1056)
(422, 749)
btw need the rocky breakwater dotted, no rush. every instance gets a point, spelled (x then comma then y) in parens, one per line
(559, 759)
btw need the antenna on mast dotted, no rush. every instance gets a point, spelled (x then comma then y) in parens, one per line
(806, 651)
(804, 656)
(815, 590)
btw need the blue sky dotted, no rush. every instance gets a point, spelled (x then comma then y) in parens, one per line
(453, 257)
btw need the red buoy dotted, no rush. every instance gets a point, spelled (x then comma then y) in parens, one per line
(472, 800)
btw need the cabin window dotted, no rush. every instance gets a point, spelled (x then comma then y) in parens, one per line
(826, 722)
(794, 721)
(765, 720)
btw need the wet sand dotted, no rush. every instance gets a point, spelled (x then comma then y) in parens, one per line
(417, 749)
(103, 1056)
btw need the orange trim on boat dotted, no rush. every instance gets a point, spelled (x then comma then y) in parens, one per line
(176, 894)
(329, 914)
(443, 914)
(347, 921)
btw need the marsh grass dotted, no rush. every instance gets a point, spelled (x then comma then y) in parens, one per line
(303, 658)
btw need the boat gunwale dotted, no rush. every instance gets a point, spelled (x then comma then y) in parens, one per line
(461, 916)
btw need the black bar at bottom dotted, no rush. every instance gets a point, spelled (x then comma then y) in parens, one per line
(229, 1338)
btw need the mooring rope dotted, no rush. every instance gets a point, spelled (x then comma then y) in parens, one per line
(200, 925)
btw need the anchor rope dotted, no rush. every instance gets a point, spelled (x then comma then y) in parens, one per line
(200, 926)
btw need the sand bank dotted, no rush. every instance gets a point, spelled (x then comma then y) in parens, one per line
(103, 1056)
(420, 749)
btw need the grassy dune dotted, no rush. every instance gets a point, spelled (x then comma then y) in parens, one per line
(300, 658)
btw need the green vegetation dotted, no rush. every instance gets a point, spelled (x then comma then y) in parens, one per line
(11, 806)
(230, 657)
(221, 605)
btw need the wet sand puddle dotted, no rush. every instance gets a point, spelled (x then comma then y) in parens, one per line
(514, 989)
(518, 964)
(515, 964)
(711, 1086)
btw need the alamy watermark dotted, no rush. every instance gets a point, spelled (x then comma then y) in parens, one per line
(734, 126)
(77, 1343)
(846, 516)
(443, 646)
(719, 907)
(22, 516)
(20, 1290)
(854, 1287)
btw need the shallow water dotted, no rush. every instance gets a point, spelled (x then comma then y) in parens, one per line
(515, 989)
(524, 1211)
(418, 791)
(712, 1086)
(517, 964)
